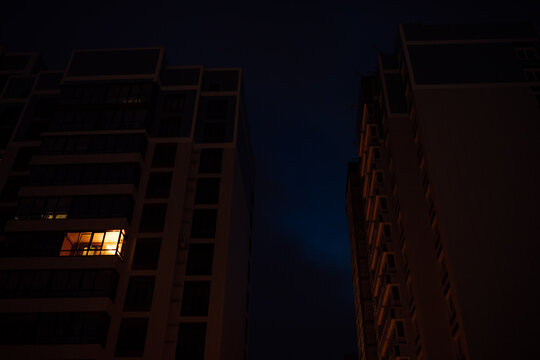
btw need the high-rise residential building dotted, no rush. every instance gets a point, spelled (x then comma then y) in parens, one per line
(443, 201)
(126, 202)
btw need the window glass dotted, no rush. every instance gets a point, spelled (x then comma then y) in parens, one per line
(191, 341)
(97, 243)
(395, 293)
(200, 259)
(146, 255)
(203, 224)
(207, 191)
(12, 186)
(180, 77)
(113, 242)
(41, 283)
(50, 208)
(24, 155)
(45, 107)
(400, 329)
(92, 243)
(19, 87)
(173, 102)
(216, 109)
(391, 261)
(387, 231)
(139, 293)
(131, 337)
(210, 161)
(215, 119)
(14, 62)
(159, 185)
(153, 218)
(224, 80)
(54, 328)
(195, 298)
(164, 155)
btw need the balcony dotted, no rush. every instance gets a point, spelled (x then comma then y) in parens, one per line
(53, 243)
(93, 243)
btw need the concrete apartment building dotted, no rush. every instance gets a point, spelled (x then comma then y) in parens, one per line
(443, 200)
(126, 201)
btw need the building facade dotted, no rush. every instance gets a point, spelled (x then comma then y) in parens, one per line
(127, 193)
(442, 201)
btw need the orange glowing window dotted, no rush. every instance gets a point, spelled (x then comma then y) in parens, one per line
(93, 243)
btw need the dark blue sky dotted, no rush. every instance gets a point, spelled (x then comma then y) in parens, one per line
(300, 62)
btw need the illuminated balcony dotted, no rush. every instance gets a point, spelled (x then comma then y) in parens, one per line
(93, 243)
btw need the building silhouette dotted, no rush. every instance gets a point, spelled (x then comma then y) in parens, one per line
(127, 192)
(443, 199)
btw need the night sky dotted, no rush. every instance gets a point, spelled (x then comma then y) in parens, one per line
(301, 62)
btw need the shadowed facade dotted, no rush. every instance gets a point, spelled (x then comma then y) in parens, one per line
(127, 193)
(443, 199)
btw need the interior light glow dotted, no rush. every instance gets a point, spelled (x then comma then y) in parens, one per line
(92, 243)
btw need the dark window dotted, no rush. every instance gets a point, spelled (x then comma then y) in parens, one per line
(387, 230)
(12, 186)
(391, 261)
(34, 129)
(45, 107)
(207, 191)
(153, 218)
(164, 155)
(180, 77)
(14, 62)
(3, 81)
(210, 161)
(531, 53)
(128, 143)
(54, 328)
(9, 116)
(25, 244)
(58, 283)
(91, 207)
(395, 293)
(191, 341)
(400, 329)
(173, 102)
(214, 132)
(146, 255)
(217, 109)
(105, 282)
(220, 80)
(383, 203)
(379, 177)
(171, 126)
(376, 153)
(112, 173)
(203, 224)
(195, 298)
(19, 87)
(200, 259)
(176, 115)
(159, 185)
(215, 120)
(49, 81)
(131, 337)
(139, 293)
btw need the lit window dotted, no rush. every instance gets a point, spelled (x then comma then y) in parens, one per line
(92, 243)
